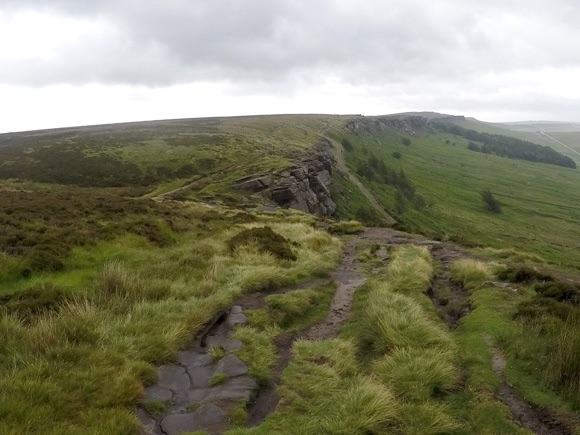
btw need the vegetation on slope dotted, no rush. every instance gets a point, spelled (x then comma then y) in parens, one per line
(389, 374)
(166, 153)
(78, 364)
(505, 146)
(534, 334)
(539, 202)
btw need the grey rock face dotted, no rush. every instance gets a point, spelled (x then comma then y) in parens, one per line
(304, 186)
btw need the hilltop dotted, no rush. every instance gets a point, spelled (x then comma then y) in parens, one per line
(406, 273)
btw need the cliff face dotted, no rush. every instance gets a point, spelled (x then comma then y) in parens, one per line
(303, 186)
(409, 124)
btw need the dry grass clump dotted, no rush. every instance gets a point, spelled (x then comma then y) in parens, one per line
(416, 373)
(471, 272)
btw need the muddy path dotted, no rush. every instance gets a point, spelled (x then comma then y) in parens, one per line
(347, 278)
(452, 302)
(539, 421)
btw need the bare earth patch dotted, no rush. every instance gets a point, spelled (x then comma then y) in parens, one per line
(347, 279)
(539, 421)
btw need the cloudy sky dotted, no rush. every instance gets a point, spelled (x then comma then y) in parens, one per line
(78, 62)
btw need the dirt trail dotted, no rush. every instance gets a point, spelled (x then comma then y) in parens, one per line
(452, 301)
(199, 182)
(347, 278)
(537, 420)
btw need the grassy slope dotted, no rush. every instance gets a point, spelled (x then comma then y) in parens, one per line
(81, 365)
(530, 133)
(165, 153)
(541, 203)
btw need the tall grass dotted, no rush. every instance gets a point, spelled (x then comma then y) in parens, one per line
(394, 315)
(563, 369)
(411, 353)
(392, 320)
(471, 272)
(324, 393)
(80, 367)
(416, 373)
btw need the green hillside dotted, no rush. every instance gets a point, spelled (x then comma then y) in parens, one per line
(567, 133)
(439, 294)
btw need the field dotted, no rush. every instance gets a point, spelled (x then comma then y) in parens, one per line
(103, 279)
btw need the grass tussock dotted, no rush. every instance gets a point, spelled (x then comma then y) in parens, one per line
(322, 392)
(563, 370)
(392, 320)
(78, 363)
(259, 351)
(417, 374)
(300, 308)
(471, 272)
(428, 419)
(346, 227)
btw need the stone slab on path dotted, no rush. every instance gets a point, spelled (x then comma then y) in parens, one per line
(232, 366)
(184, 387)
(173, 377)
(207, 417)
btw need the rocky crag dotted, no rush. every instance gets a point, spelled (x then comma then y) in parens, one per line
(303, 186)
(408, 124)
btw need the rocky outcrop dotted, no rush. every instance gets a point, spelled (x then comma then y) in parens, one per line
(303, 186)
(409, 124)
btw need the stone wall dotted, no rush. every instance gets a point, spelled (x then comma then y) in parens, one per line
(303, 186)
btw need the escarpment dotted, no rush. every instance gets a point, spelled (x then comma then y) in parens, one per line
(303, 186)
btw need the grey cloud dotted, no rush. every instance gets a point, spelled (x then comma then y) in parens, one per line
(264, 41)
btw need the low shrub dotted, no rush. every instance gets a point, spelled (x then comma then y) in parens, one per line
(266, 240)
(31, 302)
(541, 307)
(559, 291)
(523, 274)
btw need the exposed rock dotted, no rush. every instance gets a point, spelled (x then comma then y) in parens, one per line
(236, 309)
(232, 345)
(190, 359)
(232, 366)
(303, 186)
(173, 377)
(410, 124)
(237, 319)
(146, 422)
(191, 403)
(200, 376)
(206, 417)
(156, 392)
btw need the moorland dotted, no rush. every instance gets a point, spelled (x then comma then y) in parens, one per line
(121, 243)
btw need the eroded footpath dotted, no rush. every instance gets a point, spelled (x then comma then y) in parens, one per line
(197, 401)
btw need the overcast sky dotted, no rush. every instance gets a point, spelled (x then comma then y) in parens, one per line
(78, 62)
